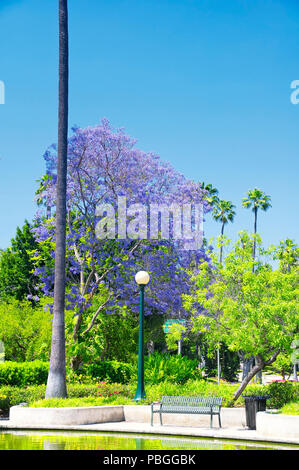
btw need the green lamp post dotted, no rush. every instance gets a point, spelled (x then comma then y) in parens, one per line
(142, 278)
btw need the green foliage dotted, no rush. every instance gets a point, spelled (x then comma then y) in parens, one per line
(16, 395)
(157, 368)
(281, 393)
(113, 336)
(229, 364)
(111, 371)
(282, 366)
(36, 372)
(16, 265)
(224, 211)
(256, 312)
(290, 409)
(77, 402)
(25, 330)
(176, 331)
(106, 389)
(160, 367)
(29, 394)
(190, 388)
(256, 199)
(23, 373)
(287, 253)
(278, 393)
(105, 393)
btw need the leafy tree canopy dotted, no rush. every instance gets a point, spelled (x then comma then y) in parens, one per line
(256, 312)
(16, 265)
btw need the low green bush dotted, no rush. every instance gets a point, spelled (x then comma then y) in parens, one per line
(278, 393)
(111, 371)
(16, 395)
(77, 402)
(290, 409)
(36, 373)
(281, 393)
(110, 393)
(104, 394)
(107, 393)
(23, 373)
(161, 367)
(157, 368)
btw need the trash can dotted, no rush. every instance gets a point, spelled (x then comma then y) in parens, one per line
(253, 404)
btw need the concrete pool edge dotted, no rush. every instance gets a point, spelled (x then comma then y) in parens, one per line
(122, 421)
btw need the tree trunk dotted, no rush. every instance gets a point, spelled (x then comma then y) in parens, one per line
(75, 362)
(56, 384)
(259, 365)
(247, 366)
(254, 239)
(221, 247)
(248, 378)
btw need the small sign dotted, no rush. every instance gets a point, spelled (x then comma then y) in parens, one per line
(168, 323)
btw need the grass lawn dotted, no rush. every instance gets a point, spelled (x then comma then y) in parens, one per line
(290, 409)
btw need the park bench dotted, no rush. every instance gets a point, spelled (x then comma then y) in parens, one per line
(192, 405)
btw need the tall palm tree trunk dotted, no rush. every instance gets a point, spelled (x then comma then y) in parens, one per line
(259, 373)
(221, 247)
(56, 385)
(254, 230)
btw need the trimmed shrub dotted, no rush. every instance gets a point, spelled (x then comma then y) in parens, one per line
(278, 393)
(16, 395)
(24, 373)
(281, 393)
(111, 371)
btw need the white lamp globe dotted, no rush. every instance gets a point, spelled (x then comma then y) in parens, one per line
(142, 278)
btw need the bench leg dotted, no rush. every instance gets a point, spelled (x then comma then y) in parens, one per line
(219, 420)
(161, 419)
(211, 421)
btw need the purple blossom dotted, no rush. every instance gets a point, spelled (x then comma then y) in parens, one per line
(103, 164)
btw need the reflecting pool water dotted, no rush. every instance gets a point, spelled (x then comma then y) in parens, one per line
(48, 440)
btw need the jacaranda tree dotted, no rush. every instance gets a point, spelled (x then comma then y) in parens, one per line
(104, 168)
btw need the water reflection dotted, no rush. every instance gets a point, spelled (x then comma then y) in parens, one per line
(43, 440)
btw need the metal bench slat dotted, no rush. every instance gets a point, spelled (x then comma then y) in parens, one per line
(191, 405)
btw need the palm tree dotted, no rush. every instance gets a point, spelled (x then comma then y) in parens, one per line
(211, 195)
(56, 384)
(224, 213)
(256, 199)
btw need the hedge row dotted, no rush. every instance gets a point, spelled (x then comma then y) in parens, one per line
(23, 373)
(279, 393)
(157, 368)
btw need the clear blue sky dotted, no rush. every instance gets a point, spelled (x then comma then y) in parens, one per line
(203, 83)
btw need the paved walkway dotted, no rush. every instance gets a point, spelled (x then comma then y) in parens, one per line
(230, 433)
